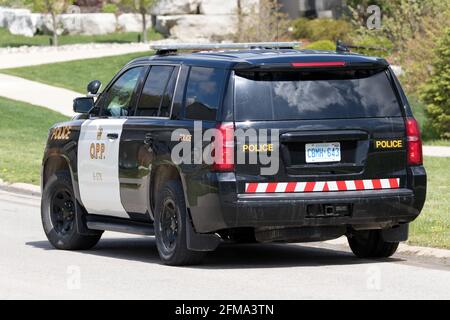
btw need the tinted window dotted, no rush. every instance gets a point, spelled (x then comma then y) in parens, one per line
(314, 95)
(117, 100)
(155, 88)
(167, 98)
(203, 93)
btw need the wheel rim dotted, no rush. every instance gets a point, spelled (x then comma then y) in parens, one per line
(169, 225)
(62, 211)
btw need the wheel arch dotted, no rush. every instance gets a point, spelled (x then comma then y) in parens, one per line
(55, 163)
(161, 173)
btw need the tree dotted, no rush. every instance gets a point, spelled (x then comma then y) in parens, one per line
(260, 22)
(141, 7)
(53, 8)
(436, 92)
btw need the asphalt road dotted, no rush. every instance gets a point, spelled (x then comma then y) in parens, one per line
(123, 267)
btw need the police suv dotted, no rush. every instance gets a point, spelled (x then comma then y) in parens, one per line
(305, 146)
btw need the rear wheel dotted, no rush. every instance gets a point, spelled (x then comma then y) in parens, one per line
(370, 244)
(58, 213)
(170, 227)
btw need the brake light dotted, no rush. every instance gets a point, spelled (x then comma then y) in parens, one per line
(318, 64)
(224, 148)
(414, 142)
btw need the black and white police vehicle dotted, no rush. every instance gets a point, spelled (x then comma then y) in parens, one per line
(342, 153)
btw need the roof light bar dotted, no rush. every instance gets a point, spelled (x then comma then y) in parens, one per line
(318, 64)
(211, 46)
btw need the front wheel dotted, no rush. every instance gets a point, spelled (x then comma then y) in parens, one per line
(370, 244)
(58, 214)
(170, 227)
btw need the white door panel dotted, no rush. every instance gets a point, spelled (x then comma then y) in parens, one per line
(98, 167)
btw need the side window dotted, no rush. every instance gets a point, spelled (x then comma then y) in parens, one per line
(166, 102)
(157, 92)
(203, 93)
(117, 100)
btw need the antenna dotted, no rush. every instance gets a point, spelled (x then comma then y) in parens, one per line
(162, 49)
(342, 47)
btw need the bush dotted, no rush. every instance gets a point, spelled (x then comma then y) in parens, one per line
(321, 29)
(322, 45)
(436, 92)
(110, 8)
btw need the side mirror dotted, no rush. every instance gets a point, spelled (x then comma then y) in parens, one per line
(83, 104)
(93, 87)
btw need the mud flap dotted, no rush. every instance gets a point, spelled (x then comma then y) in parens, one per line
(396, 234)
(200, 241)
(80, 220)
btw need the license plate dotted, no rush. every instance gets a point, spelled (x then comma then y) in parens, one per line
(323, 152)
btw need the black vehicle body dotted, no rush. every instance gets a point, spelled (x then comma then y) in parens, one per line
(217, 202)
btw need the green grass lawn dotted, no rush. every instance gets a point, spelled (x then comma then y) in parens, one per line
(75, 75)
(9, 40)
(23, 133)
(432, 227)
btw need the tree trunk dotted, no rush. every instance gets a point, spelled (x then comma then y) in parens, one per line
(144, 26)
(240, 18)
(55, 27)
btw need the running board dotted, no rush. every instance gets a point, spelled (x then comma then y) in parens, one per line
(119, 225)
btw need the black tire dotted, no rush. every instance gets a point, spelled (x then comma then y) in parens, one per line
(58, 210)
(370, 244)
(170, 227)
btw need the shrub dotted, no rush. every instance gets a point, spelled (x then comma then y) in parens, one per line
(110, 8)
(321, 29)
(322, 45)
(436, 92)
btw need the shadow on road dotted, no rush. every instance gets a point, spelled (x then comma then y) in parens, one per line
(236, 256)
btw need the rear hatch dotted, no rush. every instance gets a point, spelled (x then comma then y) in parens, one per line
(337, 129)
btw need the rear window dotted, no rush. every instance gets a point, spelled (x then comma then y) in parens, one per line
(314, 95)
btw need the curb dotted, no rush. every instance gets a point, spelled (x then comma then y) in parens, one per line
(342, 241)
(24, 188)
(404, 248)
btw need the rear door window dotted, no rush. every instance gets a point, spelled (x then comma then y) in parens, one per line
(314, 95)
(203, 93)
(156, 96)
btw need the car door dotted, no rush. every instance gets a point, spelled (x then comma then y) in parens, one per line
(98, 147)
(144, 139)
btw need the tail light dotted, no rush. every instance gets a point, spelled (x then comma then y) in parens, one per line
(224, 148)
(414, 142)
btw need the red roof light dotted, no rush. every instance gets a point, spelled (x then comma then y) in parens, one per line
(318, 64)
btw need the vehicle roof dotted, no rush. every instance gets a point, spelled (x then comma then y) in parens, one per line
(231, 58)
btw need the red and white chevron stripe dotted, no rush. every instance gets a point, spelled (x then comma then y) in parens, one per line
(322, 186)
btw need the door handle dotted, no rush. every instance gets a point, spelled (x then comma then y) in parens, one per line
(148, 140)
(112, 136)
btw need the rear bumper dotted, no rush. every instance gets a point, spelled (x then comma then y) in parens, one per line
(367, 209)
(224, 208)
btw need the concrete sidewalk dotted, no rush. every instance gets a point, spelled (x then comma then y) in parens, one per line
(57, 99)
(30, 56)
(436, 151)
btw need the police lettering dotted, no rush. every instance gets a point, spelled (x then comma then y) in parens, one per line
(388, 144)
(97, 151)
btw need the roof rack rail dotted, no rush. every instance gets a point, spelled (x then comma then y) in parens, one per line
(174, 47)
